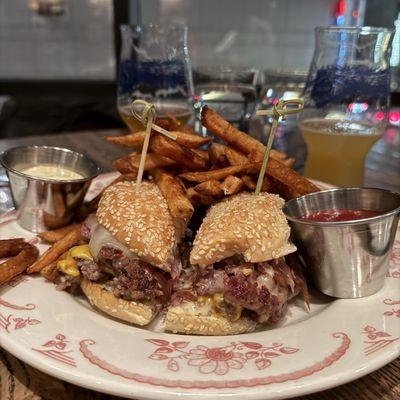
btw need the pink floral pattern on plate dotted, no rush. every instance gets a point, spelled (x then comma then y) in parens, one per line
(377, 340)
(394, 311)
(218, 354)
(217, 360)
(56, 349)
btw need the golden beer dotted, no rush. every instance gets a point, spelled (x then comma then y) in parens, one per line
(337, 149)
(181, 112)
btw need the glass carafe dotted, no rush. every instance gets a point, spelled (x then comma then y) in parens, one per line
(346, 101)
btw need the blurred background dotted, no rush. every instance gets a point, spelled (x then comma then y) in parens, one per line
(59, 58)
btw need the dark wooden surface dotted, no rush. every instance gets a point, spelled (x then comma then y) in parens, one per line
(19, 381)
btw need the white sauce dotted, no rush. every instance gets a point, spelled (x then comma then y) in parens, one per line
(51, 171)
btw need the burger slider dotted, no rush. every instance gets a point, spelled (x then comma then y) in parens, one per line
(128, 267)
(239, 276)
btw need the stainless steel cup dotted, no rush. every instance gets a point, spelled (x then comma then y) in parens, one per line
(347, 259)
(44, 204)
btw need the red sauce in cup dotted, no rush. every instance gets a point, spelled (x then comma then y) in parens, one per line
(339, 215)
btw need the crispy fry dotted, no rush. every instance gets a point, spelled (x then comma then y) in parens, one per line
(180, 153)
(130, 163)
(210, 188)
(174, 122)
(174, 193)
(255, 156)
(235, 157)
(289, 162)
(124, 166)
(11, 247)
(225, 131)
(187, 129)
(50, 272)
(18, 264)
(219, 174)
(232, 185)
(249, 182)
(289, 178)
(266, 185)
(237, 139)
(217, 155)
(58, 248)
(135, 140)
(199, 199)
(57, 234)
(276, 169)
(202, 153)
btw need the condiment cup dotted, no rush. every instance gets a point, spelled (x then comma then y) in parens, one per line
(347, 259)
(43, 203)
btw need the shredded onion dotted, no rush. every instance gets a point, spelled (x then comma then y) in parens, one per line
(101, 237)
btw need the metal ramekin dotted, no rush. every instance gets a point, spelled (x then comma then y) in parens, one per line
(347, 259)
(44, 204)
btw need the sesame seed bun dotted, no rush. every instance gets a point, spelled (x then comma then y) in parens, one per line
(129, 311)
(192, 319)
(246, 224)
(140, 220)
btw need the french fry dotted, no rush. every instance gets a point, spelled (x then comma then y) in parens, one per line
(217, 155)
(219, 174)
(249, 182)
(266, 185)
(18, 264)
(298, 185)
(50, 272)
(228, 133)
(70, 239)
(210, 188)
(232, 185)
(136, 140)
(275, 169)
(57, 234)
(124, 166)
(202, 153)
(237, 139)
(187, 129)
(199, 199)
(130, 163)
(11, 247)
(174, 122)
(175, 151)
(174, 193)
(289, 162)
(235, 157)
(255, 156)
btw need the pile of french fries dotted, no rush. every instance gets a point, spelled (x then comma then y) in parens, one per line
(188, 176)
(205, 176)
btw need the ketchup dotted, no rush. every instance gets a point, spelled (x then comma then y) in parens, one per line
(339, 215)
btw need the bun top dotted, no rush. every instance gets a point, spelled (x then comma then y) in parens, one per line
(140, 220)
(246, 224)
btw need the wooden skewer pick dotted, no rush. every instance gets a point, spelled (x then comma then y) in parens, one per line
(147, 118)
(279, 110)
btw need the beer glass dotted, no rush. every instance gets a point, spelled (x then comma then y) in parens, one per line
(346, 101)
(155, 67)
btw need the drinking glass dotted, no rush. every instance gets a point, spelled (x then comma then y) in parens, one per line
(155, 67)
(346, 101)
(232, 92)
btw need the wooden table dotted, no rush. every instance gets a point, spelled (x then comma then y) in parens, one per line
(19, 381)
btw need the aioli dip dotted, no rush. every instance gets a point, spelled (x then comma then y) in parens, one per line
(51, 171)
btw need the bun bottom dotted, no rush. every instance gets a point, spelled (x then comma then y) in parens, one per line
(191, 319)
(129, 311)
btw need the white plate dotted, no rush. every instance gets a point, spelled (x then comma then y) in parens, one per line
(338, 341)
